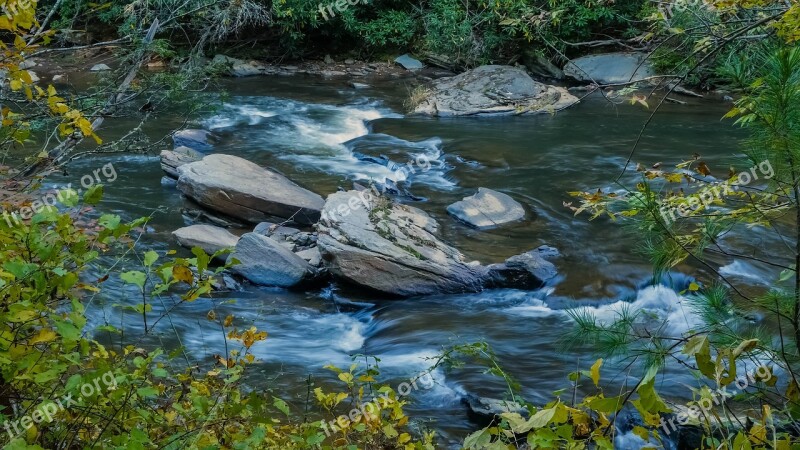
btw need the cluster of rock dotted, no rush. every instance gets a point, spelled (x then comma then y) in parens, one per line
(492, 90)
(360, 237)
(242, 68)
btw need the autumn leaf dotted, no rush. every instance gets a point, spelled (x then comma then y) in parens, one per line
(702, 167)
(182, 273)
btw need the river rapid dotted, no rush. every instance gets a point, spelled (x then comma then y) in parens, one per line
(312, 130)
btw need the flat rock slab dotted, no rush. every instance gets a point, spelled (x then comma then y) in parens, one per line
(610, 68)
(244, 190)
(208, 237)
(408, 62)
(492, 90)
(263, 261)
(487, 209)
(172, 159)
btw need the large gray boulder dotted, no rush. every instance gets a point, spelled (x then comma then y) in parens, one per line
(490, 90)
(243, 190)
(172, 159)
(208, 237)
(610, 68)
(487, 209)
(265, 262)
(369, 241)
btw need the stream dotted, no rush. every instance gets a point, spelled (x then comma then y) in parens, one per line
(312, 130)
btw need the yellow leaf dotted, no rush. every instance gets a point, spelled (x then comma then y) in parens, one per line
(182, 273)
(15, 85)
(594, 372)
(84, 125)
(45, 335)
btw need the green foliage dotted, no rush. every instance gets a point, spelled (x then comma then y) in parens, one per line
(146, 399)
(684, 215)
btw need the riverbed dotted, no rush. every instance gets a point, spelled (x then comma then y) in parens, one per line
(311, 130)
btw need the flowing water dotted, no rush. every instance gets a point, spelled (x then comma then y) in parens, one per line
(313, 130)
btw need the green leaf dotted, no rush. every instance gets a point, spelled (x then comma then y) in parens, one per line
(109, 221)
(149, 258)
(134, 277)
(281, 405)
(67, 330)
(69, 198)
(147, 392)
(93, 195)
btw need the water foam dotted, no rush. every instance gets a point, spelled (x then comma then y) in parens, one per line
(320, 137)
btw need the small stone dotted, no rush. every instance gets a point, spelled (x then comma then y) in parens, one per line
(311, 255)
(349, 61)
(487, 209)
(99, 68)
(59, 77)
(208, 237)
(355, 85)
(408, 62)
(328, 59)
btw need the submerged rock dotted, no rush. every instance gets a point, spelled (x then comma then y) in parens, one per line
(208, 237)
(243, 190)
(487, 209)
(530, 270)
(484, 410)
(194, 139)
(369, 241)
(172, 159)
(266, 262)
(489, 90)
(99, 68)
(610, 68)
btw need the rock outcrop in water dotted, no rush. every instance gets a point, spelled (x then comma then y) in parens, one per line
(244, 190)
(487, 209)
(610, 68)
(264, 261)
(489, 90)
(371, 242)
